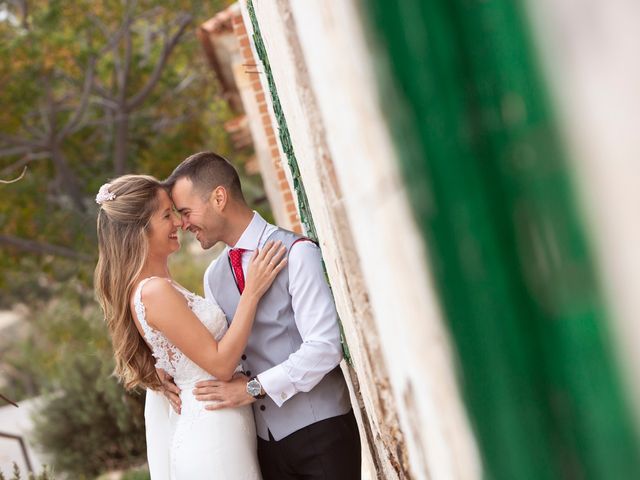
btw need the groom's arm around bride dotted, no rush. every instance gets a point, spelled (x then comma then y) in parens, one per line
(320, 351)
(327, 444)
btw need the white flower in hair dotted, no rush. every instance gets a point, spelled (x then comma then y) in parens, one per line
(104, 194)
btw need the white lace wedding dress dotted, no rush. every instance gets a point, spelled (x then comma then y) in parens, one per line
(198, 443)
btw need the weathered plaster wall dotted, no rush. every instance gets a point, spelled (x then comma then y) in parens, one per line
(375, 257)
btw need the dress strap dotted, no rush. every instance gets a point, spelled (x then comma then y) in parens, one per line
(138, 294)
(163, 351)
(139, 306)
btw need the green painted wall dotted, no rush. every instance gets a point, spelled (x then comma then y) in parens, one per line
(491, 193)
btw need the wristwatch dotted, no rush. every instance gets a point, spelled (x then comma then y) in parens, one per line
(254, 388)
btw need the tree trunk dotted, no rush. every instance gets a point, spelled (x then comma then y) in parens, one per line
(121, 143)
(66, 179)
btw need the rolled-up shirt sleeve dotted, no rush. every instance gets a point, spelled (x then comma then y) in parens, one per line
(317, 321)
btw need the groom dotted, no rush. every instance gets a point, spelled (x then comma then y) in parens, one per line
(304, 421)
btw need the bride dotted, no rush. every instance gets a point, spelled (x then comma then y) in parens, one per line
(157, 324)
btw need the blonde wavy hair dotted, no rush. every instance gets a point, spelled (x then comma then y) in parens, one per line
(123, 225)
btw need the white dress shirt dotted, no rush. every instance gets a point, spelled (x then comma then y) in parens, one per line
(314, 312)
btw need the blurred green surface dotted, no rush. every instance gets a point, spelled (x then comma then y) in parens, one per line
(487, 179)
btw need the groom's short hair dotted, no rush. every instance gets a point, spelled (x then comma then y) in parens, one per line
(207, 171)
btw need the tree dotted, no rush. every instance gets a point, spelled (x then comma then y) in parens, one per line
(85, 423)
(89, 89)
(93, 89)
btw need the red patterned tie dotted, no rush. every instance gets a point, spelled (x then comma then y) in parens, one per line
(235, 254)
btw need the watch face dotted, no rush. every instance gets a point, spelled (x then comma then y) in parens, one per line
(254, 387)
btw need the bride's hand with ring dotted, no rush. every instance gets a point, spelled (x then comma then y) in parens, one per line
(264, 266)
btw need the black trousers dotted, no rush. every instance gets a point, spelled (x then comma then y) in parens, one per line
(327, 450)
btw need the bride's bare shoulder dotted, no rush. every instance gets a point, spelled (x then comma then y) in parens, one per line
(163, 302)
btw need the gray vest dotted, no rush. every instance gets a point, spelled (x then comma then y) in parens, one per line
(274, 337)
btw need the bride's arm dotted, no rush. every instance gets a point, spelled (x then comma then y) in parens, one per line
(167, 311)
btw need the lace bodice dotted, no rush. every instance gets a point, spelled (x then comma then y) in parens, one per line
(168, 356)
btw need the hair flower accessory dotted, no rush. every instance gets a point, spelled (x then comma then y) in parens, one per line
(104, 195)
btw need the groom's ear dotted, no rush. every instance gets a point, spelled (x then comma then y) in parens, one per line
(219, 197)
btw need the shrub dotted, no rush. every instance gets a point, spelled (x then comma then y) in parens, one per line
(136, 475)
(86, 423)
(91, 424)
(45, 475)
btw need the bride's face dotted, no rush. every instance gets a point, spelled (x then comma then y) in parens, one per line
(163, 228)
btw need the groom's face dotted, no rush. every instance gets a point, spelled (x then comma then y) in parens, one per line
(198, 214)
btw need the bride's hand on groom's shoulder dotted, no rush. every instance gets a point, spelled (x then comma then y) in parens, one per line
(264, 266)
(229, 394)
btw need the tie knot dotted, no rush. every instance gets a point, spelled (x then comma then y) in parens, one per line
(236, 252)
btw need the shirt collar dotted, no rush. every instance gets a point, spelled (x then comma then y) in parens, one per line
(251, 236)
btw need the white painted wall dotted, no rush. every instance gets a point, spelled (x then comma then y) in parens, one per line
(409, 331)
(17, 421)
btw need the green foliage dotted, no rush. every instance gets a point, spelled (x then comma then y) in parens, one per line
(87, 423)
(69, 325)
(45, 475)
(50, 55)
(65, 330)
(91, 425)
(136, 475)
(188, 269)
